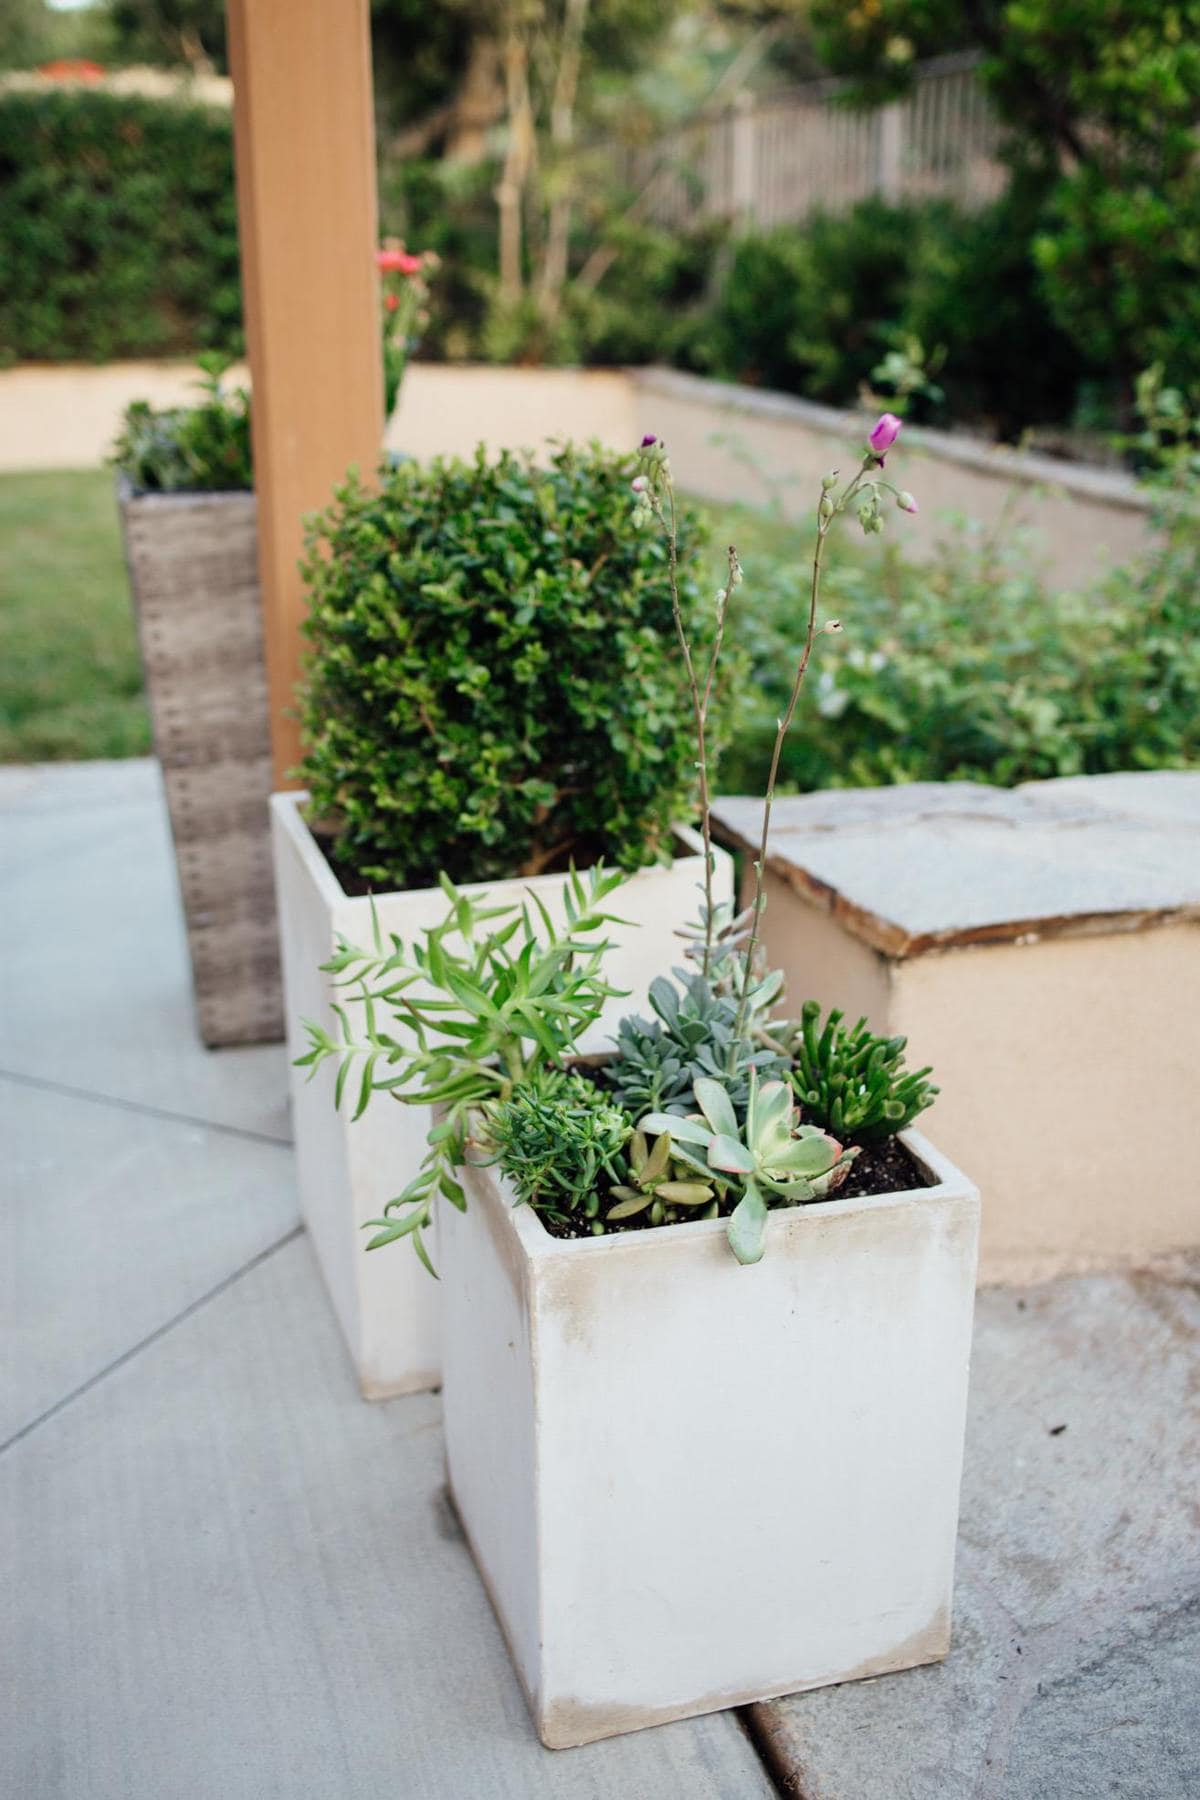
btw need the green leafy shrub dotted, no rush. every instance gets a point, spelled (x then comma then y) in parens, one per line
(189, 449)
(969, 667)
(808, 309)
(494, 685)
(812, 309)
(975, 294)
(1120, 264)
(852, 1081)
(118, 227)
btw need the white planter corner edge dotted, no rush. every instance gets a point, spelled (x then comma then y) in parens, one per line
(690, 1485)
(386, 1304)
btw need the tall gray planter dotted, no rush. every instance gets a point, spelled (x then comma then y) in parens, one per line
(193, 568)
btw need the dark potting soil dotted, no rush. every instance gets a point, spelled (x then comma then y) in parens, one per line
(886, 1168)
(581, 856)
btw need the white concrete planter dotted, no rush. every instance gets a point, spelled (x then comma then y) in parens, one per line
(385, 1302)
(689, 1485)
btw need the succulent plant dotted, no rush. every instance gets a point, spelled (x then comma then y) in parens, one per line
(659, 1060)
(852, 1081)
(772, 1154)
(559, 1138)
(653, 1186)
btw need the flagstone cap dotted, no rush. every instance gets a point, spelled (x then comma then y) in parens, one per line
(937, 865)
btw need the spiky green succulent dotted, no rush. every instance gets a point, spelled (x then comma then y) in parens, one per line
(560, 1140)
(771, 1157)
(851, 1080)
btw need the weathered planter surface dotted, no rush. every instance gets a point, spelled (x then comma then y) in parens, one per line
(193, 568)
(689, 1484)
(387, 1305)
(1040, 947)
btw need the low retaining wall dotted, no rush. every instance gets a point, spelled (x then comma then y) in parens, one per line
(738, 443)
(727, 443)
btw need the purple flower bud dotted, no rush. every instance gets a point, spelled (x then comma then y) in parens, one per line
(639, 484)
(648, 440)
(887, 430)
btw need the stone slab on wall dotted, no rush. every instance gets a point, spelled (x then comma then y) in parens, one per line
(1041, 948)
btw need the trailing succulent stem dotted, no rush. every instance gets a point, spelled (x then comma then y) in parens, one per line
(852, 1081)
(491, 998)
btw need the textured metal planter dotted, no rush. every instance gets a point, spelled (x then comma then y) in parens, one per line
(193, 568)
(690, 1485)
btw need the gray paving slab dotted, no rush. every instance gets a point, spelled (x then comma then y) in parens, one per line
(920, 867)
(111, 1223)
(1075, 1671)
(95, 993)
(235, 1581)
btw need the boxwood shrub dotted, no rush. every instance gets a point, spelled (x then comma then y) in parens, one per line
(494, 686)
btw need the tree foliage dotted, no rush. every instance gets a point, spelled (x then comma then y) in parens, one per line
(1104, 100)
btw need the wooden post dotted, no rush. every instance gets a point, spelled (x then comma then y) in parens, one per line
(304, 134)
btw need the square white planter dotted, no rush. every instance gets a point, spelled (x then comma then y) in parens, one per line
(688, 1484)
(385, 1302)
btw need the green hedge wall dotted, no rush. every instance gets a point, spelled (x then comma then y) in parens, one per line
(118, 228)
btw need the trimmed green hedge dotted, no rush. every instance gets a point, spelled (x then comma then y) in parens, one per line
(118, 228)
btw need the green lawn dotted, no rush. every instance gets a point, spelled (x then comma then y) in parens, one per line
(70, 676)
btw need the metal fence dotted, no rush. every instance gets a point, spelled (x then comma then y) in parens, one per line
(773, 159)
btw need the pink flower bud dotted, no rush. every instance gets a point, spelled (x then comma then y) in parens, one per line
(639, 484)
(887, 430)
(906, 503)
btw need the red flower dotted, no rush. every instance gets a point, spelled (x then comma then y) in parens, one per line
(397, 262)
(391, 301)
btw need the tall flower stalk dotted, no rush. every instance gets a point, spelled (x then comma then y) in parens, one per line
(655, 492)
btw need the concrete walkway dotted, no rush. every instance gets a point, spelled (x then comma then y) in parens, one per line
(225, 1577)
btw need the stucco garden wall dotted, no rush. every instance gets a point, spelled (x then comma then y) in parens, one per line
(727, 443)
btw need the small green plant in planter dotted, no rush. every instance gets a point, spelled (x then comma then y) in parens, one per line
(203, 448)
(492, 687)
(697, 1111)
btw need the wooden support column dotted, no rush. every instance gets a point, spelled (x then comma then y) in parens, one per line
(304, 134)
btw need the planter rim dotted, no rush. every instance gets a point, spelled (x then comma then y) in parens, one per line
(128, 491)
(288, 809)
(536, 1245)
